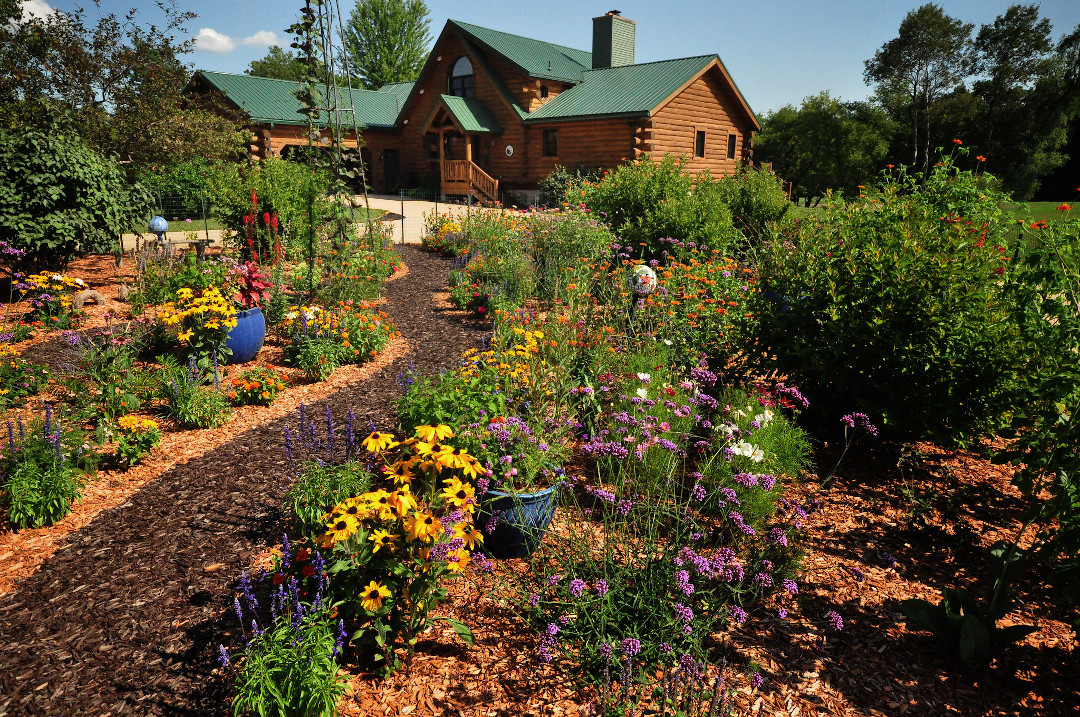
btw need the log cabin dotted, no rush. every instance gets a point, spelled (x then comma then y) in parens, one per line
(493, 113)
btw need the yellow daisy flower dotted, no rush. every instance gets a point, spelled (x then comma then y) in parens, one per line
(372, 597)
(462, 495)
(379, 442)
(457, 560)
(423, 526)
(434, 434)
(342, 527)
(382, 539)
(470, 534)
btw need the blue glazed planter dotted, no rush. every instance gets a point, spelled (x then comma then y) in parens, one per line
(246, 338)
(522, 519)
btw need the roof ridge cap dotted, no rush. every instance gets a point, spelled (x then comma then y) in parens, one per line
(462, 23)
(655, 62)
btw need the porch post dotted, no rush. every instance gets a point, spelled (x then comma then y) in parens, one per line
(468, 147)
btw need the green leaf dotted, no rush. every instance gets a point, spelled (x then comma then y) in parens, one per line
(1013, 633)
(461, 629)
(926, 614)
(974, 641)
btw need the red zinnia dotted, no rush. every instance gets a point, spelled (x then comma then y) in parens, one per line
(278, 579)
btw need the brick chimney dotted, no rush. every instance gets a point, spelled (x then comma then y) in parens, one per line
(612, 40)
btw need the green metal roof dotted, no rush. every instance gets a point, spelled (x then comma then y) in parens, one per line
(274, 101)
(535, 57)
(401, 89)
(471, 114)
(629, 90)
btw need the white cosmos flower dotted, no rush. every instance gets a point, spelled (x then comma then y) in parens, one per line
(764, 417)
(644, 377)
(643, 393)
(742, 448)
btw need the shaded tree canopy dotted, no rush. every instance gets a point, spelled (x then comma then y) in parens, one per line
(929, 57)
(825, 144)
(278, 64)
(387, 41)
(121, 81)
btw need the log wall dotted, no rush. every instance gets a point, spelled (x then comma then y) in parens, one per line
(708, 106)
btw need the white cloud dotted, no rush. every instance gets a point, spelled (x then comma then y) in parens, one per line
(35, 8)
(211, 40)
(263, 38)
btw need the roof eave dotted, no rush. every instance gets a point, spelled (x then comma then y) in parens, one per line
(587, 118)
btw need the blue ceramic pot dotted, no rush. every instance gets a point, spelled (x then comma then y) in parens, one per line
(246, 338)
(521, 519)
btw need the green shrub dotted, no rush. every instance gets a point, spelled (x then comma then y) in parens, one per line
(58, 197)
(646, 201)
(42, 472)
(757, 199)
(188, 400)
(895, 306)
(280, 187)
(318, 489)
(564, 185)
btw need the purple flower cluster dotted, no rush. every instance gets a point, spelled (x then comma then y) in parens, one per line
(836, 623)
(859, 420)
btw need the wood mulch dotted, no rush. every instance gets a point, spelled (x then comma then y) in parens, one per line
(119, 608)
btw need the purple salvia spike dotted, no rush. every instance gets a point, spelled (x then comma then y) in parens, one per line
(329, 434)
(350, 437)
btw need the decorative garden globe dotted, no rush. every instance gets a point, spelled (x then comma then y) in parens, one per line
(643, 281)
(158, 225)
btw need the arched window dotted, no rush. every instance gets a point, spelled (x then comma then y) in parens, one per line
(462, 81)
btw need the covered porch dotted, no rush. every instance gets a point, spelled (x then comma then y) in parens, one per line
(454, 134)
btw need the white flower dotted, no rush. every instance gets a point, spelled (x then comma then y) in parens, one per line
(739, 413)
(742, 448)
(667, 342)
(764, 418)
(643, 393)
(728, 429)
(644, 377)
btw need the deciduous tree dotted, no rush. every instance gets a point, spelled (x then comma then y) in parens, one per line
(387, 40)
(928, 58)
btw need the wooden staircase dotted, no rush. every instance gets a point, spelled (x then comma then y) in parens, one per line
(462, 176)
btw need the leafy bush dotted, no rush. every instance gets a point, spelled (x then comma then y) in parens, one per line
(324, 339)
(895, 305)
(136, 438)
(257, 386)
(646, 201)
(757, 199)
(42, 472)
(280, 187)
(318, 489)
(564, 185)
(188, 400)
(58, 197)
(19, 378)
(1045, 427)
(289, 665)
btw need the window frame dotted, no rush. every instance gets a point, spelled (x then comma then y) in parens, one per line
(732, 141)
(461, 85)
(550, 143)
(699, 144)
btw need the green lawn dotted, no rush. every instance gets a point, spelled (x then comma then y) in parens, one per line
(1029, 211)
(1034, 211)
(196, 225)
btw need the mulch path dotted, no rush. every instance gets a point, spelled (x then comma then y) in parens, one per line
(119, 608)
(125, 617)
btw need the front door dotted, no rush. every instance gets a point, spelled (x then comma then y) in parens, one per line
(391, 169)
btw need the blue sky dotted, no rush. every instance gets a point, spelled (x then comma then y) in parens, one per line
(778, 51)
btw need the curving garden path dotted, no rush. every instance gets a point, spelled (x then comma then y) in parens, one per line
(126, 617)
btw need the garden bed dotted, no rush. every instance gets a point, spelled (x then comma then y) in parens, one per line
(120, 607)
